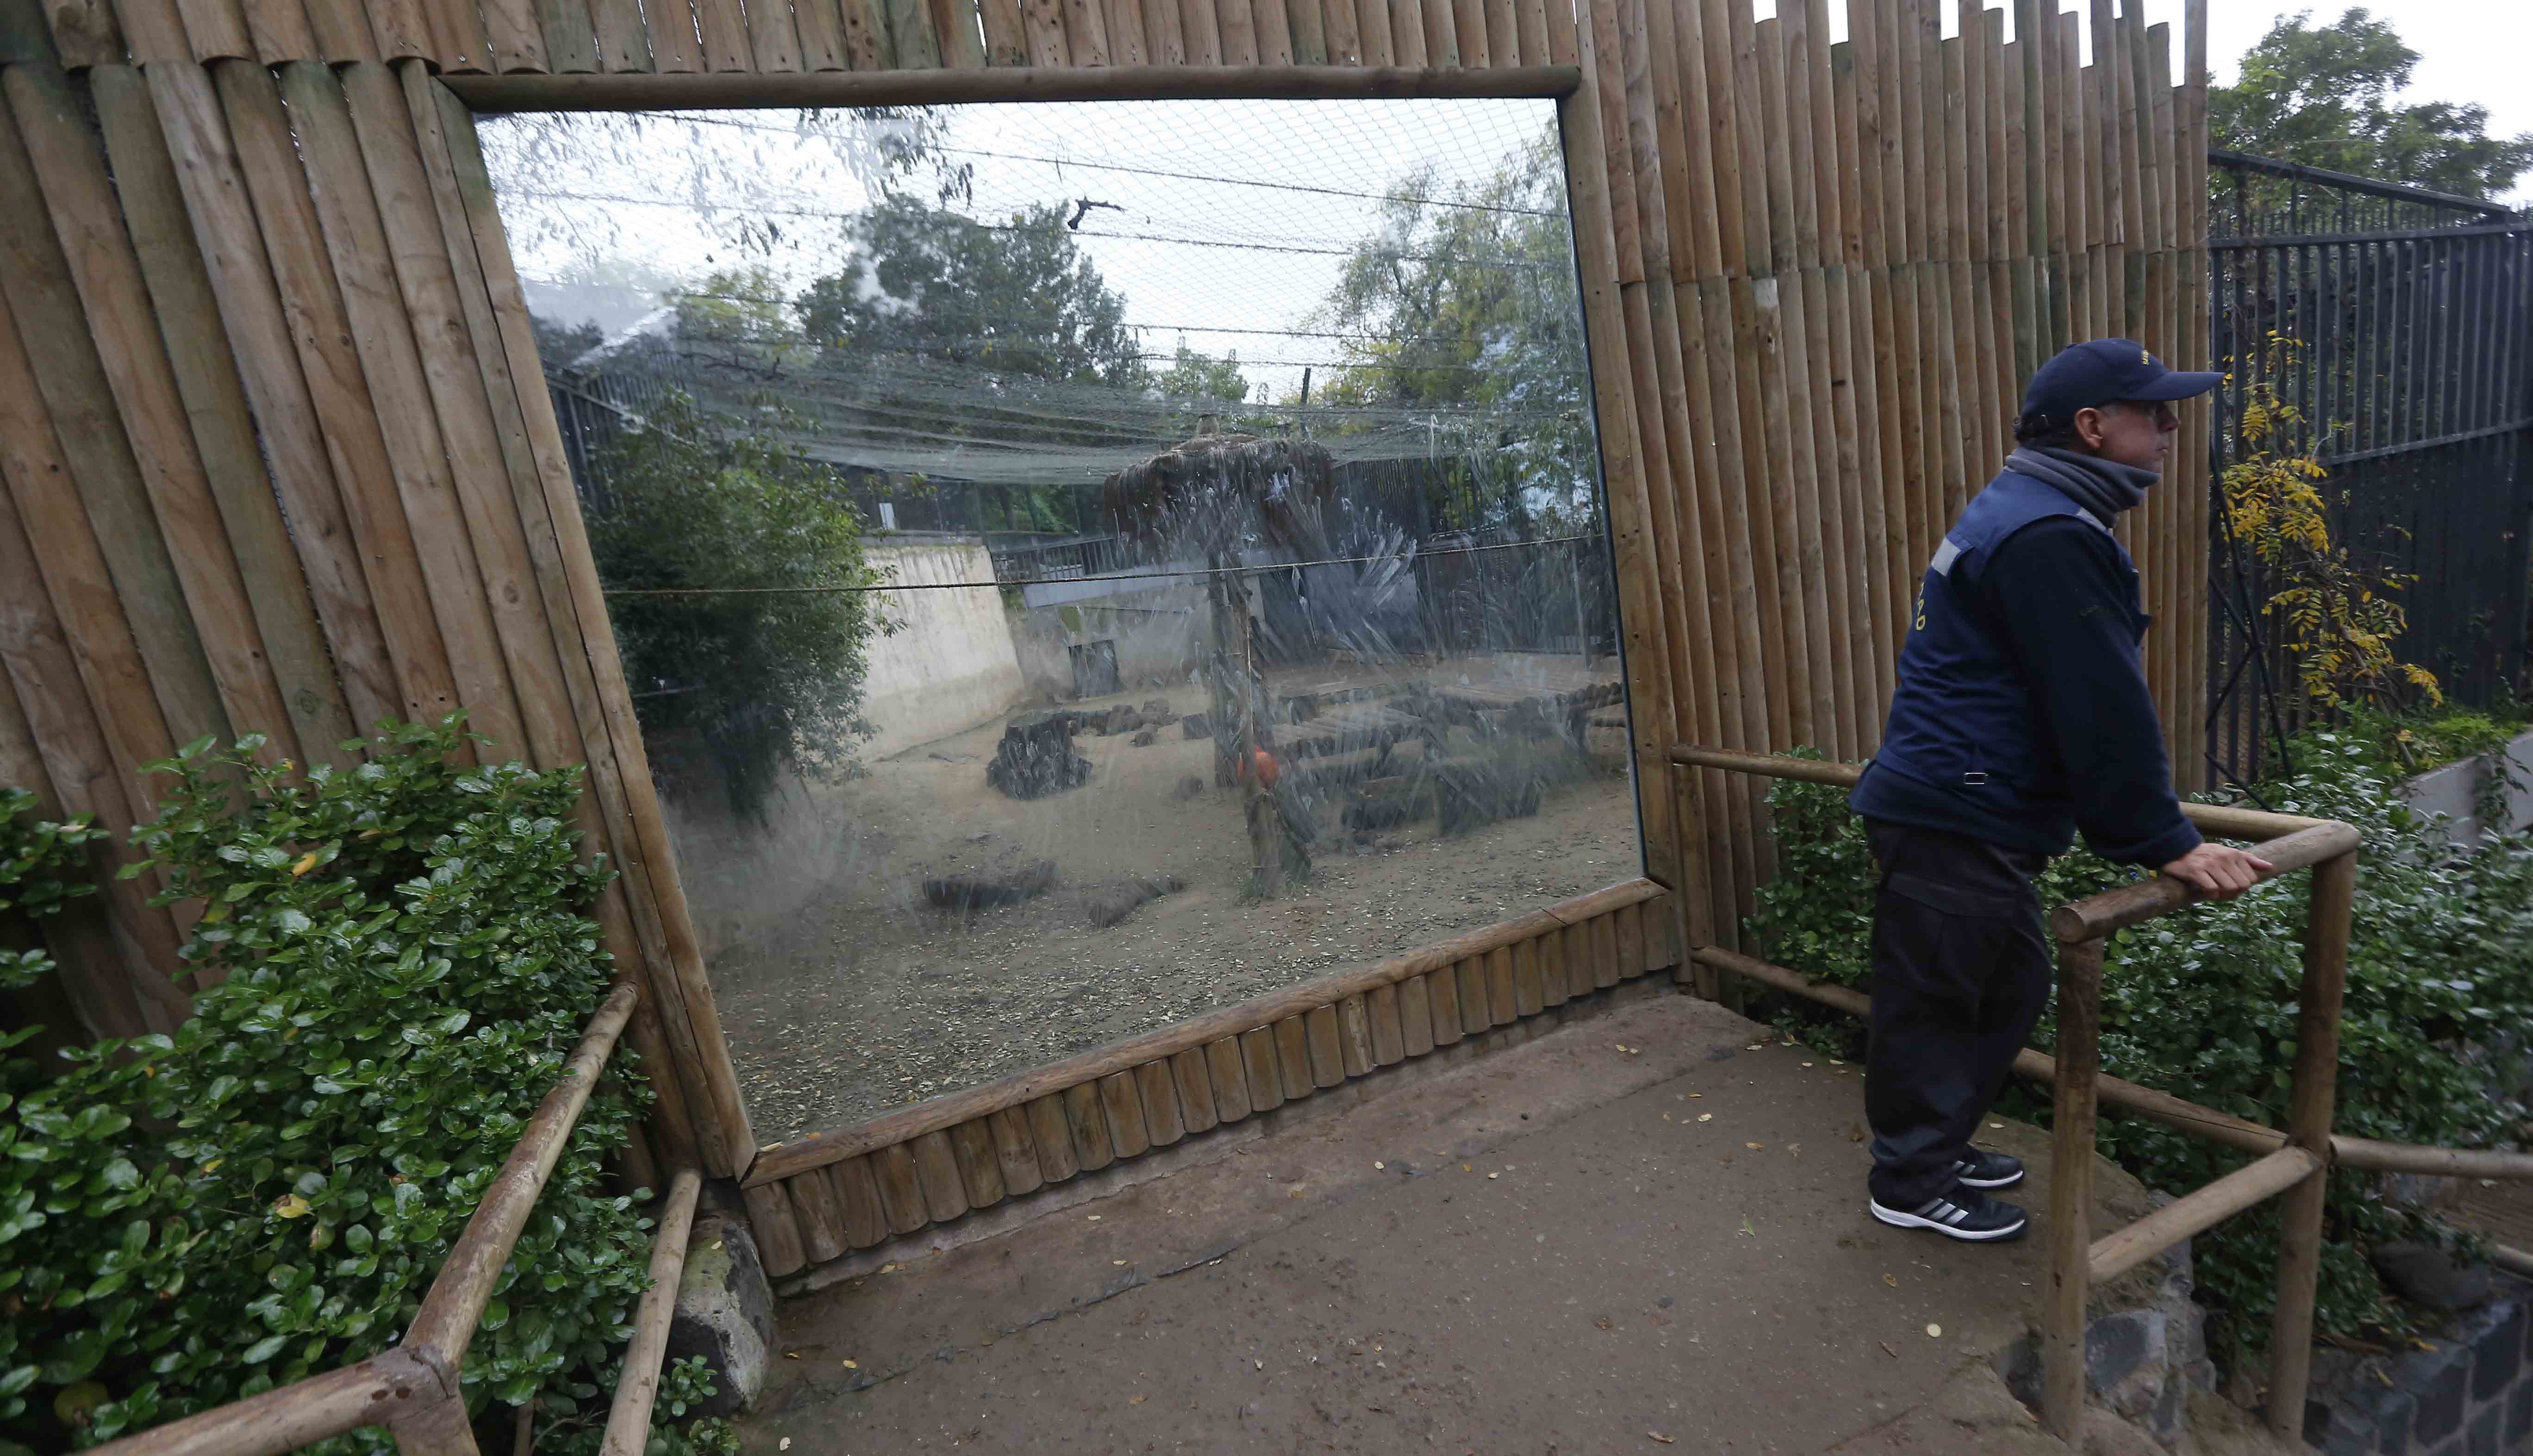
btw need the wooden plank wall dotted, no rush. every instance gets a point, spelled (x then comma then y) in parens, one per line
(278, 457)
(270, 466)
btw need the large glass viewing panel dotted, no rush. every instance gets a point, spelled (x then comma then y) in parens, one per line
(1081, 564)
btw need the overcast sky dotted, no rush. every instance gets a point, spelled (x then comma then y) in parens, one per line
(1245, 231)
(1222, 223)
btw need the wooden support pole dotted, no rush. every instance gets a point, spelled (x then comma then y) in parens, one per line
(2070, 1189)
(447, 1319)
(298, 1415)
(1613, 325)
(2316, 1075)
(628, 1419)
(2197, 1212)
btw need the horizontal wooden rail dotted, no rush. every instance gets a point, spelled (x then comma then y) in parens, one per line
(1835, 997)
(637, 90)
(2228, 821)
(297, 1414)
(2435, 1162)
(2128, 905)
(2205, 1122)
(2116, 1253)
(628, 1420)
(2164, 1107)
(2083, 929)
(791, 1159)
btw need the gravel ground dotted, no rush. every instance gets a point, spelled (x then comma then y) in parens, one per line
(844, 995)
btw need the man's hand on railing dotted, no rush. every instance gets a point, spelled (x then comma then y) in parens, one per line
(2220, 871)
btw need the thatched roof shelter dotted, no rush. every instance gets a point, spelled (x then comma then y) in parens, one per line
(1215, 491)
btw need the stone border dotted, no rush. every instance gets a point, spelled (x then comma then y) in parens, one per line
(2469, 1393)
(2146, 1347)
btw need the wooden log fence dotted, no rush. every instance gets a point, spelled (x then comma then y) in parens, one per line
(413, 1389)
(278, 457)
(2290, 1164)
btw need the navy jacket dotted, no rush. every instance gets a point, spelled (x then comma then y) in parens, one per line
(2022, 713)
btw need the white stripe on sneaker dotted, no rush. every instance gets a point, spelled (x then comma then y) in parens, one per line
(1944, 1216)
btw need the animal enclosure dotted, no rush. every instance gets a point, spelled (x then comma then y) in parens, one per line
(1264, 437)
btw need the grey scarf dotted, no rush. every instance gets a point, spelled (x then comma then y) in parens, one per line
(2105, 488)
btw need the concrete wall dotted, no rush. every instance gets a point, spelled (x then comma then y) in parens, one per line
(1158, 630)
(2454, 791)
(951, 663)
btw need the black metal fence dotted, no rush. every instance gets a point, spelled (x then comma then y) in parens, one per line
(2394, 322)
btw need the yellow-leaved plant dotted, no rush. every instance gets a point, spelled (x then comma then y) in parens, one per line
(2339, 616)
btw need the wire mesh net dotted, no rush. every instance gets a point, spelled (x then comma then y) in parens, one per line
(1080, 565)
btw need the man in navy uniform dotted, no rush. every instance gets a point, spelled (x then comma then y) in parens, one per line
(2021, 716)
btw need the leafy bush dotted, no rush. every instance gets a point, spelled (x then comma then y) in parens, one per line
(264, 1195)
(762, 661)
(41, 866)
(2338, 614)
(2415, 742)
(2203, 1004)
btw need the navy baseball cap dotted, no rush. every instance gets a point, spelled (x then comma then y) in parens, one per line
(2091, 375)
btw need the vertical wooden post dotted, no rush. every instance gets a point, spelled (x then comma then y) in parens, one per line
(2317, 1077)
(438, 1429)
(2070, 1189)
(1588, 160)
(1265, 833)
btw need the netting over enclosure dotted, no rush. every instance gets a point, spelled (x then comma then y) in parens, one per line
(1081, 566)
(1016, 294)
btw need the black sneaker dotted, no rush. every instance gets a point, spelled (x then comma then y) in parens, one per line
(1961, 1213)
(1985, 1168)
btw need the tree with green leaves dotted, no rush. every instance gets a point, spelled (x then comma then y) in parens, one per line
(1195, 380)
(1467, 306)
(760, 648)
(738, 309)
(1018, 298)
(2324, 97)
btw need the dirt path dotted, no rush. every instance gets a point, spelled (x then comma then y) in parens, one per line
(1563, 1247)
(843, 994)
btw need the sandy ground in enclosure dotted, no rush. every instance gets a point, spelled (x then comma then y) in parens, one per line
(843, 994)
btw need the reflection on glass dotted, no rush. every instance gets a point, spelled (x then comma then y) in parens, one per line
(1080, 565)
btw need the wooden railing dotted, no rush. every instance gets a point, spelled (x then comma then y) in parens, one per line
(414, 1389)
(2293, 1163)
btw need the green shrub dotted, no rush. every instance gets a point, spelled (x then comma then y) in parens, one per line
(264, 1195)
(41, 866)
(2415, 742)
(2203, 1004)
(762, 659)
